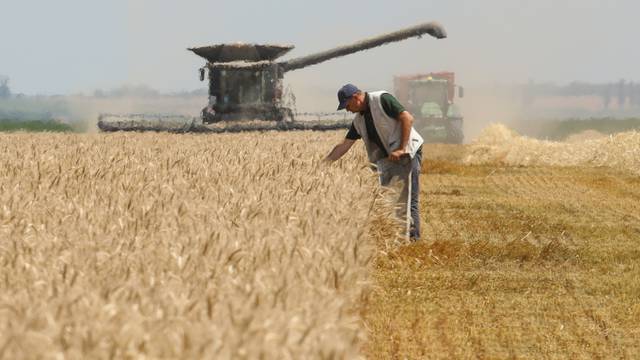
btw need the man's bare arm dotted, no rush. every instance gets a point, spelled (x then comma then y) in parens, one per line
(406, 121)
(340, 150)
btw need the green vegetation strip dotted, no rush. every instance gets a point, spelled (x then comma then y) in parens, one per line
(558, 130)
(34, 126)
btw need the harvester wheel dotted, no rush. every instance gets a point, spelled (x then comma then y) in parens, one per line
(286, 115)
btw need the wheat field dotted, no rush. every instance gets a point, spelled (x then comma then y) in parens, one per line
(183, 246)
(235, 246)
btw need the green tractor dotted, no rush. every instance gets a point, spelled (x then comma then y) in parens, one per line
(429, 97)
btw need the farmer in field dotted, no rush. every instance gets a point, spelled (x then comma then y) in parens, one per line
(392, 144)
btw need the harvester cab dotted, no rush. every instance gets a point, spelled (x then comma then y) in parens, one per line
(430, 98)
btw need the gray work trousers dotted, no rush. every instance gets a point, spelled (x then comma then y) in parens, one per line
(404, 176)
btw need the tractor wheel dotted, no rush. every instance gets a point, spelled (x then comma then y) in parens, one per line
(454, 135)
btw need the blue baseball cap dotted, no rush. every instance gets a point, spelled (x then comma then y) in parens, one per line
(345, 93)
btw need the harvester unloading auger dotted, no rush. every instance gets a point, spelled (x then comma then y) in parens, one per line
(246, 91)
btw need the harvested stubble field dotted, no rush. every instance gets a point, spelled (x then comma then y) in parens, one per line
(247, 245)
(523, 258)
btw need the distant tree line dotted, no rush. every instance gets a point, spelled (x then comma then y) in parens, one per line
(143, 91)
(123, 91)
(5, 92)
(621, 91)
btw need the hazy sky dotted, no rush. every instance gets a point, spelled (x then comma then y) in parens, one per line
(68, 46)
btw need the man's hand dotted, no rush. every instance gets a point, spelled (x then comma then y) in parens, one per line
(340, 150)
(397, 154)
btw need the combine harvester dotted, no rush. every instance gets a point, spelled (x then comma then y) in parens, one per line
(246, 91)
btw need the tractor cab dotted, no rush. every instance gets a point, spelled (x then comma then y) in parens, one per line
(430, 98)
